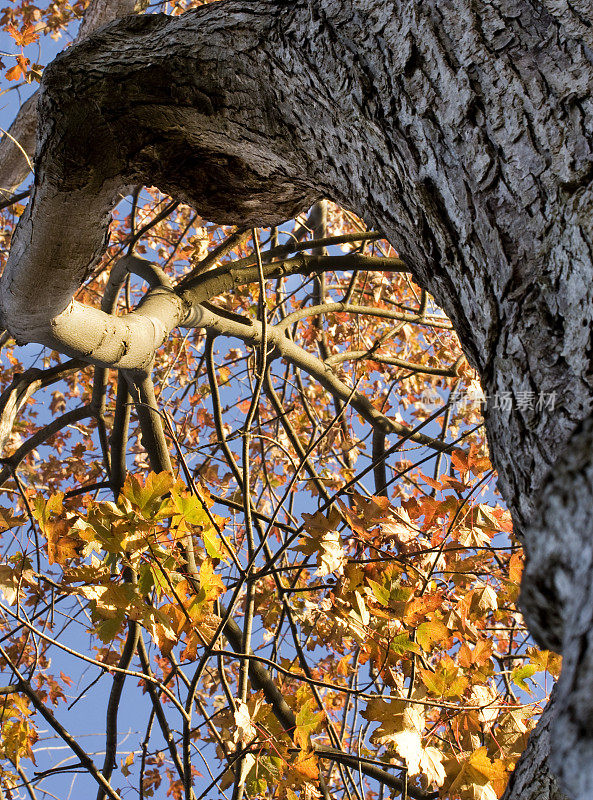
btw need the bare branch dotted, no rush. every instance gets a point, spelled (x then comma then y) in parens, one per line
(250, 331)
(125, 660)
(23, 386)
(47, 715)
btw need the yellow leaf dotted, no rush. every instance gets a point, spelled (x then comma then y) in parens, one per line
(487, 598)
(245, 730)
(210, 582)
(330, 554)
(486, 697)
(516, 568)
(308, 720)
(325, 541)
(431, 765)
(520, 674)
(10, 581)
(408, 745)
(431, 632)
(381, 593)
(213, 544)
(126, 763)
(305, 765)
(476, 777)
(394, 716)
(363, 611)
(164, 637)
(108, 629)
(145, 495)
(545, 660)
(481, 763)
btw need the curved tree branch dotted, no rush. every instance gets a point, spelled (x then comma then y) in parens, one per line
(463, 131)
(17, 147)
(24, 386)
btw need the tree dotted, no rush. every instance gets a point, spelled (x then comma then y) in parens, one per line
(459, 130)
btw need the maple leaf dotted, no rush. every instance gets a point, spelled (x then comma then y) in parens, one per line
(473, 537)
(305, 765)
(213, 542)
(245, 730)
(512, 731)
(394, 716)
(516, 564)
(58, 525)
(419, 608)
(148, 494)
(446, 681)
(9, 520)
(330, 554)
(460, 460)
(486, 697)
(545, 660)
(14, 73)
(431, 765)
(486, 598)
(317, 524)
(126, 763)
(164, 637)
(211, 584)
(18, 736)
(24, 35)
(520, 674)
(475, 777)
(308, 720)
(13, 580)
(401, 726)
(325, 542)
(431, 632)
(400, 528)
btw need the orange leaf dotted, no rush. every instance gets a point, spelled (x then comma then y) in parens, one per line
(516, 568)
(305, 766)
(26, 35)
(14, 73)
(432, 483)
(460, 459)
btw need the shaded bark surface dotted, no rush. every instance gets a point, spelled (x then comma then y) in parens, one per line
(533, 780)
(460, 128)
(17, 147)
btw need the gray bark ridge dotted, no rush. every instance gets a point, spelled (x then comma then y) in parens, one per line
(461, 128)
(17, 146)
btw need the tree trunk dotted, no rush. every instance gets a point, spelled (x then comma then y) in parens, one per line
(463, 130)
(18, 144)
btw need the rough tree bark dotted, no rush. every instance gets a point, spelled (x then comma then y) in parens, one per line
(17, 147)
(463, 130)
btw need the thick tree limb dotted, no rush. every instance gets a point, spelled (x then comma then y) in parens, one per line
(101, 12)
(462, 130)
(534, 781)
(17, 147)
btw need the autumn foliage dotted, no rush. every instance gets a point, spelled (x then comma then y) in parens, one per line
(369, 573)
